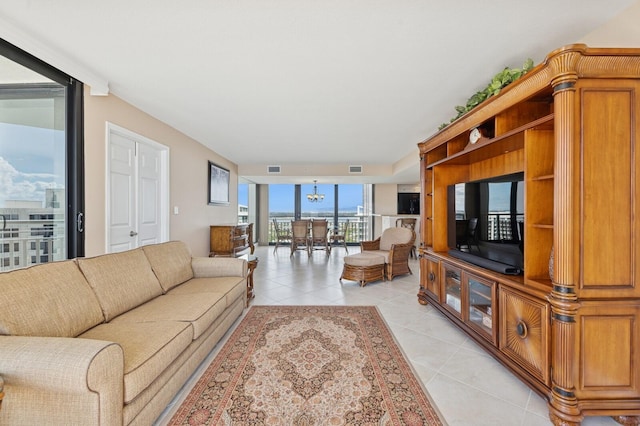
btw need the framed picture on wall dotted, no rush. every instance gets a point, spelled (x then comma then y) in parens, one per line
(218, 185)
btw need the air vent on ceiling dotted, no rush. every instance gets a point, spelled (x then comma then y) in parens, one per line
(273, 169)
(355, 169)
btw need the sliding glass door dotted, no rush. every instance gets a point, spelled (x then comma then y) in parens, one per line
(346, 207)
(41, 184)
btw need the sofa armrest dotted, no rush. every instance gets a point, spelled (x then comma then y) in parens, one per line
(209, 267)
(400, 251)
(58, 380)
(370, 245)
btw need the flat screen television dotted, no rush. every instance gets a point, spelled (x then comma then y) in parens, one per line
(486, 222)
(408, 203)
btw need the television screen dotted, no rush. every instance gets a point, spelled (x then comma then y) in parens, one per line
(486, 218)
(408, 203)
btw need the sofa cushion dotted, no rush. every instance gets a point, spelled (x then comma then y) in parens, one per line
(200, 310)
(171, 262)
(49, 300)
(121, 281)
(231, 287)
(149, 348)
(392, 236)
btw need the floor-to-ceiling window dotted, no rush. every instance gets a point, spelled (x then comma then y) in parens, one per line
(317, 201)
(350, 214)
(243, 203)
(282, 207)
(41, 170)
(342, 205)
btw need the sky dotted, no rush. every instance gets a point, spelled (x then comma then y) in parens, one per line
(281, 197)
(31, 160)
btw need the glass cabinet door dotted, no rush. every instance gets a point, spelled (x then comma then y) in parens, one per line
(480, 309)
(452, 287)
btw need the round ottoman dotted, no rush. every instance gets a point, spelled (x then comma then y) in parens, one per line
(363, 267)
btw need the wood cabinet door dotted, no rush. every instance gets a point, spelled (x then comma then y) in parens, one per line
(607, 351)
(481, 305)
(431, 276)
(609, 187)
(452, 297)
(525, 332)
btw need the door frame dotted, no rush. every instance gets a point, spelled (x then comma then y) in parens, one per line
(112, 128)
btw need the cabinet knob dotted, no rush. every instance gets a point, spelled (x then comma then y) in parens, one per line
(521, 329)
(432, 276)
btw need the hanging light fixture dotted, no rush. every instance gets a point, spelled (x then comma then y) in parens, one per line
(315, 197)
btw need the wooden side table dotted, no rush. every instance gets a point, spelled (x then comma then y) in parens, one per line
(252, 264)
(1, 390)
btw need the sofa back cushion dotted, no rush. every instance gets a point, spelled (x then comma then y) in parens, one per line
(391, 236)
(48, 300)
(171, 262)
(121, 281)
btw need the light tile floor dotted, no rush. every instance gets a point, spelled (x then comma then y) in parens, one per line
(468, 386)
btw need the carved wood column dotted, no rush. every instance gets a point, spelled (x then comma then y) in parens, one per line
(422, 296)
(563, 407)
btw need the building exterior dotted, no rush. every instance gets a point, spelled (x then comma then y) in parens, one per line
(32, 232)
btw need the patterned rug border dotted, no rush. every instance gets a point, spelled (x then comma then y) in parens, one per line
(180, 416)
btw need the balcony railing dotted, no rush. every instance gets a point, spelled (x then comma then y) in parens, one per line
(359, 227)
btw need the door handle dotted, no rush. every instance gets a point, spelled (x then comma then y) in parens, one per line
(80, 222)
(133, 234)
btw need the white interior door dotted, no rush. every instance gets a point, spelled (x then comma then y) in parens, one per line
(137, 191)
(149, 185)
(121, 209)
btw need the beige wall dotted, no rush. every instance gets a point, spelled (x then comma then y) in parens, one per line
(621, 31)
(386, 203)
(187, 173)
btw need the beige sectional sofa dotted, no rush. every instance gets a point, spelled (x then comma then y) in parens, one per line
(109, 340)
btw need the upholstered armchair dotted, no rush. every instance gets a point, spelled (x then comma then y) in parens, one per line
(395, 245)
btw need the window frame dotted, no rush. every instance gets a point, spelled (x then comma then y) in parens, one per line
(74, 135)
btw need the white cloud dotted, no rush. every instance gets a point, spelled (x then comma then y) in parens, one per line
(16, 185)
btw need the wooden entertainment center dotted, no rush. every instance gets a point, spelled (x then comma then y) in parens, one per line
(571, 125)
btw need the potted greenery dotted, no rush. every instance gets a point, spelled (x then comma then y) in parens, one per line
(498, 82)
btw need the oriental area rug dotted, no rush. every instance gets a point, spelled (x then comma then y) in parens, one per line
(309, 365)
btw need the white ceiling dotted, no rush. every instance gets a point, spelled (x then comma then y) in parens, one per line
(309, 84)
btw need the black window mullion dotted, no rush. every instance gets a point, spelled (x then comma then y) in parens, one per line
(75, 169)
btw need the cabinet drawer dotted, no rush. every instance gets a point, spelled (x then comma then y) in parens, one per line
(241, 241)
(524, 332)
(239, 230)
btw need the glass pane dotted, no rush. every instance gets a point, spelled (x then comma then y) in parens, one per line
(350, 212)
(281, 207)
(33, 167)
(480, 305)
(243, 203)
(452, 289)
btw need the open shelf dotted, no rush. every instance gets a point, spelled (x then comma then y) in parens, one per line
(488, 147)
